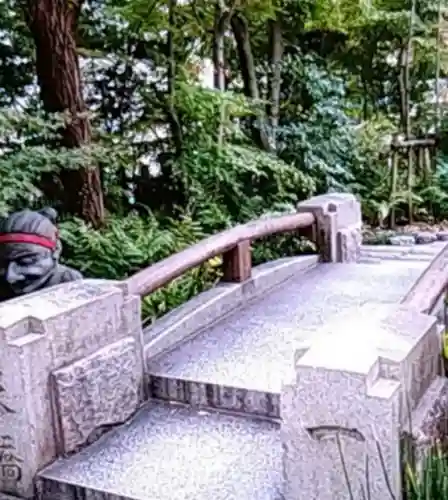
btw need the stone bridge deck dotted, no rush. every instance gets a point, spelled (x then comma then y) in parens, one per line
(230, 449)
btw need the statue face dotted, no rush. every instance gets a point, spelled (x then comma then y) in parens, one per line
(26, 269)
(29, 249)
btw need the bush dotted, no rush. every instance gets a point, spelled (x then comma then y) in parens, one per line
(127, 245)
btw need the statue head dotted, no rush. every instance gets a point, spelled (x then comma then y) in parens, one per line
(29, 249)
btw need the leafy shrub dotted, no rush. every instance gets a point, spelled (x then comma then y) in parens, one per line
(127, 245)
(316, 134)
(228, 180)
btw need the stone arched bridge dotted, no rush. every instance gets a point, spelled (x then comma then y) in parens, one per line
(276, 384)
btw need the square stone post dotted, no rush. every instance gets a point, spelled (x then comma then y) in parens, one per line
(357, 391)
(339, 223)
(71, 366)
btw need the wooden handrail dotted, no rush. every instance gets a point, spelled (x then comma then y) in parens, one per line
(428, 289)
(233, 243)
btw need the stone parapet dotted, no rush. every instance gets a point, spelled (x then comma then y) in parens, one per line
(358, 390)
(71, 367)
(339, 223)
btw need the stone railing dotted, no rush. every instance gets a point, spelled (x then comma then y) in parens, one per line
(428, 293)
(73, 356)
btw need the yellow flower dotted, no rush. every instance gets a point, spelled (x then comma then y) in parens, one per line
(445, 344)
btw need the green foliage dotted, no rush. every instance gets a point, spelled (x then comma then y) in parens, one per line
(315, 134)
(228, 179)
(127, 245)
(432, 482)
(26, 153)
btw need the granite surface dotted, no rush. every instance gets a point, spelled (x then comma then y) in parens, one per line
(182, 453)
(253, 348)
(404, 253)
(175, 453)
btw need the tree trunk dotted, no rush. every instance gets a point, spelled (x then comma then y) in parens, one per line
(53, 25)
(221, 24)
(247, 66)
(219, 29)
(402, 89)
(175, 126)
(276, 54)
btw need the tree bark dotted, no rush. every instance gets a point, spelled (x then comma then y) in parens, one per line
(175, 126)
(247, 66)
(53, 25)
(403, 89)
(221, 23)
(276, 54)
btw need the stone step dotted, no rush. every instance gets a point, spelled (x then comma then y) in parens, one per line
(240, 363)
(173, 453)
(406, 253)
(225, 298)
(235, 370)
(378, 257)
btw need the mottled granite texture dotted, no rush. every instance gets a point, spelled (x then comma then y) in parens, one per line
(212, 305)
(242, 361)
(241, 364)
(99, 390)
(169, 453)
(338, 225)
(366, 383)
(404, 253)
(71, 361)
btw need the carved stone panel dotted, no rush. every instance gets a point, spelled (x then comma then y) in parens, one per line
(349, 244)
(100, 390)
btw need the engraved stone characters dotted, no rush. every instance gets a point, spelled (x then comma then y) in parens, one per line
(10, 463)
(29, 253)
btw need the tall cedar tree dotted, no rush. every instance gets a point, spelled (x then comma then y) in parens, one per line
(53, 25)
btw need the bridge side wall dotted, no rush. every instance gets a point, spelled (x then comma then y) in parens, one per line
(366, 398)
(71, 367)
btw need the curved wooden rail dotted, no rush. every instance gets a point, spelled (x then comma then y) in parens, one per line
(431, 285)
(233, 243)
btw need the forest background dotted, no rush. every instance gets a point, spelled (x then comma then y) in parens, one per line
(150, 124)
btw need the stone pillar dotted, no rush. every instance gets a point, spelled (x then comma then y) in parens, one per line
(71, 363)
(358, 390)
(339, 225)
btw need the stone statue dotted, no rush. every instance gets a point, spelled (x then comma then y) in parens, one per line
(29, 253)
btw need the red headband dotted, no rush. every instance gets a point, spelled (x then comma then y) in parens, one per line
(30, 239)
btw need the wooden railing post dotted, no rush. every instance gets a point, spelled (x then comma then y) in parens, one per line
(237, 263)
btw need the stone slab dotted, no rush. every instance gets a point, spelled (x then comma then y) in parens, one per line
(40, 333)
(172, 453)
(397, 256)
(362, 382)
(253, 348)
(100, 390)
(210, 306)
(419, 252)
(342, 418)
(215, 396)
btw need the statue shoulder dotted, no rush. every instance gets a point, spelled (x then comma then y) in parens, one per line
(69, 274)
(64, 274)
